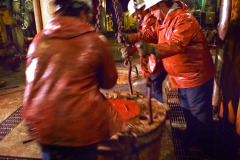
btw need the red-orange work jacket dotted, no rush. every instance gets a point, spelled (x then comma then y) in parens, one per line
(184, 50)
(67, 63)
(149, 65)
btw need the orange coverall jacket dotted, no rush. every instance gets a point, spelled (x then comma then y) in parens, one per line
(184, 50)
(148, 28)
(67, 63)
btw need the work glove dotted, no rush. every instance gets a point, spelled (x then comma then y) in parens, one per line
(122, 38)
(145, 49)
(125, 51)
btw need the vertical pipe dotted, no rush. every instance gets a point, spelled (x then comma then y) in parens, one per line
(203, 5)
(216, 89)
(223, 25)
(37, 15)
(224, 21)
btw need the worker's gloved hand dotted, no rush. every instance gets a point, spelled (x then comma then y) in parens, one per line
(145, 49)
(122, 38)
(126, 52)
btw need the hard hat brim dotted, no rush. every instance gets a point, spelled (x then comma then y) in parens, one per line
(148, 5)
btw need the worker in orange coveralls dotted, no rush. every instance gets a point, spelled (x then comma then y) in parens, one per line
(147, 24)
(63, 108)
(186, 58)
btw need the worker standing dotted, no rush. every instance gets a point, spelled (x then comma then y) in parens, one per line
(186, 58)
(151, 68)
(63, 108)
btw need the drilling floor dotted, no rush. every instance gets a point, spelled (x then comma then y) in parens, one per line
(13, 132)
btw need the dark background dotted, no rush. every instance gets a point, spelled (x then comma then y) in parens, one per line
(124, 4)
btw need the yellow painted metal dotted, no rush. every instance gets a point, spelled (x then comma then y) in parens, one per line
(5, 19)
(5, 16)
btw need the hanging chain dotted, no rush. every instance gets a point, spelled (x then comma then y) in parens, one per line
(119, 22)
(127, 62)
(98, 16)
(149, 83)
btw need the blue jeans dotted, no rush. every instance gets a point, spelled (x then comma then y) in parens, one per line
(51, 152)
(196, 103)
(157, 82)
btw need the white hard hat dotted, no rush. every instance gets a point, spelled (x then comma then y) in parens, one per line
(139, 3)
(150, 3)
(131, 7)
(135, 4)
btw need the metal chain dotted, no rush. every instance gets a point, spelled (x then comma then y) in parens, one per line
(149, 83)
(127, 62)
(98, 16)
(119, 22)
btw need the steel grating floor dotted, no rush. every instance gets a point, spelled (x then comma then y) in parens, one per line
(7, 126)
(177, 122)
(10, 123)
(16, 158)
(178, 126)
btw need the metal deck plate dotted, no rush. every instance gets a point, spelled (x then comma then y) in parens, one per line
(10, 123)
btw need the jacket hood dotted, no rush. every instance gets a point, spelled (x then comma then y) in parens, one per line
(66, 27)
(177, 8)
